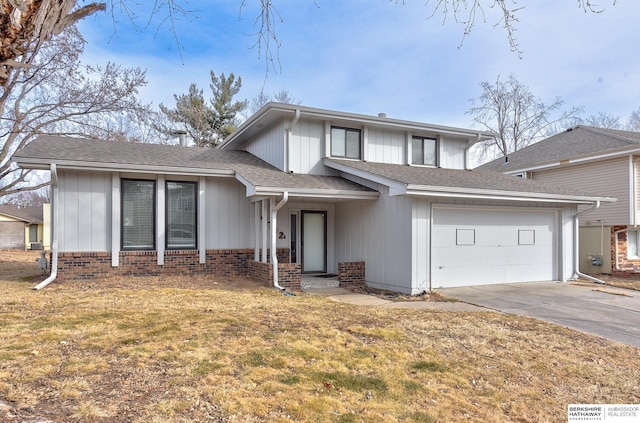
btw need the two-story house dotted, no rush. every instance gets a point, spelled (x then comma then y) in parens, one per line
(605, 161)
(378, 200)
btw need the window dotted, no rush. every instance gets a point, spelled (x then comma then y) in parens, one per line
(345, 142)
(181, 215)
(138, 214)
(423, 151)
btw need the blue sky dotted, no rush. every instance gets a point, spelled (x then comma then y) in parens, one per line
(372, 56)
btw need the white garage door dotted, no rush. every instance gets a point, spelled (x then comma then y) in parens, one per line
(479, 246)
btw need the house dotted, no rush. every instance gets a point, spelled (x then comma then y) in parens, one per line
(605, 161)
(22, 227)
(386, 202)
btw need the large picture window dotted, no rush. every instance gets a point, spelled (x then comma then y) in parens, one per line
(138, 214)
(423, 151)
(181, 215)
(345, 142)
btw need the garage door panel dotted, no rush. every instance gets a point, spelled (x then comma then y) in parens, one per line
(496, 246)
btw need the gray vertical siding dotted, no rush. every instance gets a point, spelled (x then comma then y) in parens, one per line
(379, 233)
(84, 211)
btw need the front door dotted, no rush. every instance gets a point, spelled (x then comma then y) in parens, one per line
(313, 241)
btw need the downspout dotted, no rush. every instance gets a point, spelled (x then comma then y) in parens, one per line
(576, 255)
(54, 231)
(274, 238)
(615, 243)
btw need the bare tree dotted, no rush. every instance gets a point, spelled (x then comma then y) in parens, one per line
(59, 95)
(468, 12)
(603, 120)
(633, 123)
(517, 117)
(282, 96)
(26, 24)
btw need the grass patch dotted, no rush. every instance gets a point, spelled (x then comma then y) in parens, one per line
(189, 350)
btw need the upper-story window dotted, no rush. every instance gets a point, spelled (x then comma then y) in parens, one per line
(424, 151)
(345, 142)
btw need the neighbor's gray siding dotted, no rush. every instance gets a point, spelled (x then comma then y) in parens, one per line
(84, 211)
(608, 178)
(379, 233)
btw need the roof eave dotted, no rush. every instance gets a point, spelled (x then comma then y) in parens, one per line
(45, 164)
(613, 153)
(489, 194)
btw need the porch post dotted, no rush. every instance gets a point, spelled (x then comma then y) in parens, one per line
(265, 220)
(256, 230)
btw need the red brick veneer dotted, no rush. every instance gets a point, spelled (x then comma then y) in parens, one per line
(221, 263)
(352, 274)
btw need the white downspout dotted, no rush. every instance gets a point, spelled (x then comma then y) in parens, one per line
(274, 236)
(615, 243)
(54, 230)
(576, 239)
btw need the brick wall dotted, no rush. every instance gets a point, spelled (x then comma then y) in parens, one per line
(625, 266)
(352, 274)
(221, 263)
(288, 274)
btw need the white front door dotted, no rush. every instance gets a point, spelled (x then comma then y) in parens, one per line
(314, 241)
(476, 246)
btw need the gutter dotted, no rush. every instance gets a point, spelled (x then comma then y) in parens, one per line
(274, 218)
(54, 231)
(576, 258)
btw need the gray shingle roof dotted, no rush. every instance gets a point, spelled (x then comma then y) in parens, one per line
(157, 157)
(426, 178)
(574, 142)
(29, 214)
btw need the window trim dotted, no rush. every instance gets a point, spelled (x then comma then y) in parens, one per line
(195, 216)
(422, 139)
(347, 129)
(122, 212)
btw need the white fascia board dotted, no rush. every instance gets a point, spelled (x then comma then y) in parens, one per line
(251, 189)
(503, 195)
(331, 115)
(576, 160)
(129, 168)
(318, 193)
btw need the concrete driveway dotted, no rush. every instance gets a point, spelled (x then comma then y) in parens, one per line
(601, 310)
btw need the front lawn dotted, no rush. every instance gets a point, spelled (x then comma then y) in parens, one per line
(197, 349)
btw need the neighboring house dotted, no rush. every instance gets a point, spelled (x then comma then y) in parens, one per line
(605, 161)
(21, 227)
(365, 197)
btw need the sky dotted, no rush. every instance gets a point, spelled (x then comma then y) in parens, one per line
(382, 56)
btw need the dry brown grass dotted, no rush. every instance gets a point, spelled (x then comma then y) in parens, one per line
(197, 349)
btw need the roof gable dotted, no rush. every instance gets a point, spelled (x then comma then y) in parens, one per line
(576, 142)
(418, 180)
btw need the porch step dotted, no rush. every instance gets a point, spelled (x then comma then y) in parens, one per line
(319, 281)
